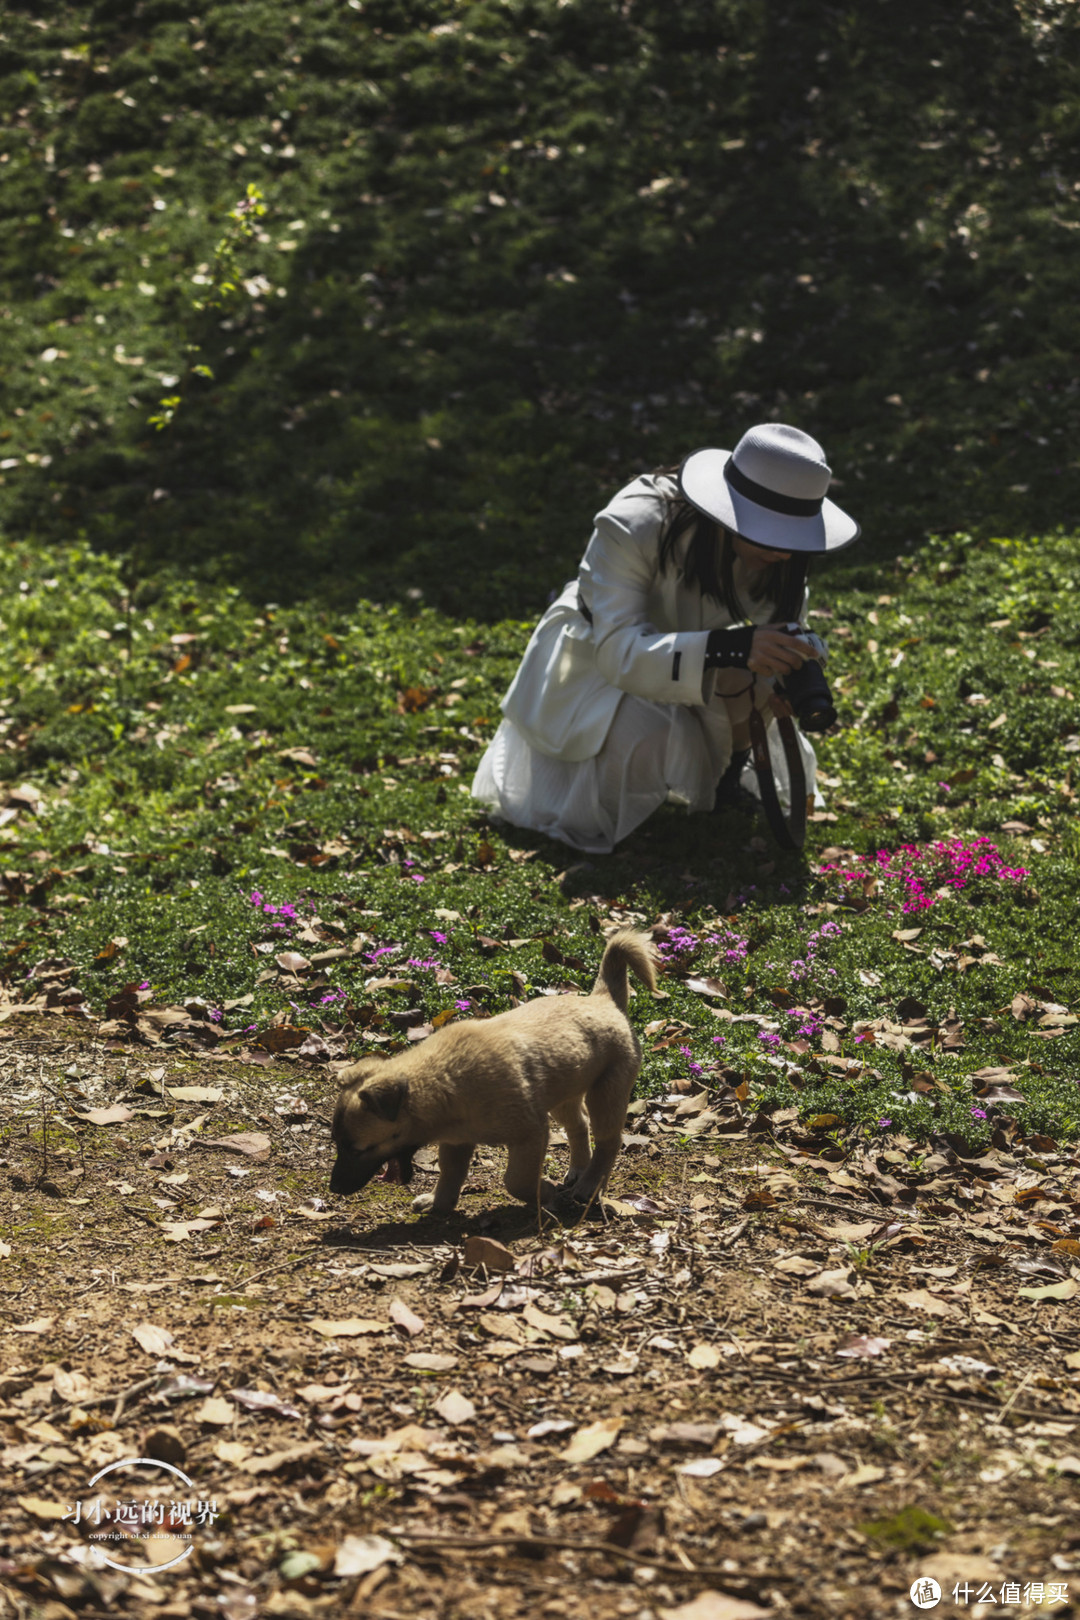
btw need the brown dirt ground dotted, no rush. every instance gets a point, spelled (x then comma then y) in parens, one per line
(671, 1327)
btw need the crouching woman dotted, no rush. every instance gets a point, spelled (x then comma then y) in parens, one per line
(637, 684)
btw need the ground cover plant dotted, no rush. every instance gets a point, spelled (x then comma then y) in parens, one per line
(266, 814)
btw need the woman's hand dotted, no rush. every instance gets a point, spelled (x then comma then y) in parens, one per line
(775, 651)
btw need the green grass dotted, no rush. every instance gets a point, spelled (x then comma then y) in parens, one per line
(322, 760)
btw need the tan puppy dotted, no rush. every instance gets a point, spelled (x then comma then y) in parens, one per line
(495, 1081)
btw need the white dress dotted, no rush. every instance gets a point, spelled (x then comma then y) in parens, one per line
(608, 716)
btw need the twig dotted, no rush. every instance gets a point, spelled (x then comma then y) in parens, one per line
(1014, 1397)
(44, 1131)
(96, 1400)
(289, 1265)
(710, 1572)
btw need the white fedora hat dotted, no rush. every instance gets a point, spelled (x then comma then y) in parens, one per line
(770, 489)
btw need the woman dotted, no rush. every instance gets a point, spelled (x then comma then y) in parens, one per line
(637, 683)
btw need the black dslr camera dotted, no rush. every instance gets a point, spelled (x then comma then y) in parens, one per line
(806, 688)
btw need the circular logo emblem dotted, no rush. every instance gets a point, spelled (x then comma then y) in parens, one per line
(151, 1523)
(925, 1593)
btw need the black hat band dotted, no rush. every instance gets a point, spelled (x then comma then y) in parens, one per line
(790, 505)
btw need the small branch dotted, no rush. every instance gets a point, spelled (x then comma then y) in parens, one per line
(568, 1544)
(96, 1400)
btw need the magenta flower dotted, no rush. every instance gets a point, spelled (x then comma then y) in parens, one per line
(978, 1113)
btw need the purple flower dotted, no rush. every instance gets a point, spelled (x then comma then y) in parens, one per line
(720, 1040)
(145, 985)
(439, 938)
(417, 878)
(883, 1124)
(978, 1113)
(768, 1037)
(215, 1014)
(462, 1006)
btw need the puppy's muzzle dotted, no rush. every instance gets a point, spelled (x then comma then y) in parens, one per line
(353, 1170)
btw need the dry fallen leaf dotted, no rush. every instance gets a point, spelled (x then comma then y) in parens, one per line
(701, 1467)
(42, 1509)
(351, 1328)
(430, 1361)
(73, 1387)
(231, 1452)
(254, 1143)
(920, 1300)
(860, 1345)
(1059, 1290)
(455, 1408)
(405, 1318)
(153, 1339)
(116, 1115)
(216, 1411)
(359, 1555)
(482, 1251)
(796, 1265)
(832, 1285)
(594, 1438)
(556, 1327)
(281, 1459)
(704, 1356)
(180, 1231)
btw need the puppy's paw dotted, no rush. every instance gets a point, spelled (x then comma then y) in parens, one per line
(423, 1203)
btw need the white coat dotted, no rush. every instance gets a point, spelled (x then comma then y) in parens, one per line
(646, 640)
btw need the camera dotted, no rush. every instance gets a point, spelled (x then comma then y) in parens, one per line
(806, 688)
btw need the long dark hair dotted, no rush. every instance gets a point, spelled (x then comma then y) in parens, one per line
(709, 563)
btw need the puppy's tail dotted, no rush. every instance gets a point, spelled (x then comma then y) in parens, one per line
(626, 949)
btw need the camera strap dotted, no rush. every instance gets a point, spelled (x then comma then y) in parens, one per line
(790, 830)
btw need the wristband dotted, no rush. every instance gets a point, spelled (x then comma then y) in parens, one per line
(729, 649)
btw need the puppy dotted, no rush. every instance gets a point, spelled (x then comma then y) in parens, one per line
(496, 1081)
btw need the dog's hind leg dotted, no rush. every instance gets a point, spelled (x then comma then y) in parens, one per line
(571, 1116)
(524, 1167)
(454, 1161)
(606, 1100)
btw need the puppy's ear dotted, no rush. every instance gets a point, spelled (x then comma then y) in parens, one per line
(384, 1098)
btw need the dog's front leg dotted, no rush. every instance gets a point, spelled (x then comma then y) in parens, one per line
(454, 1161)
